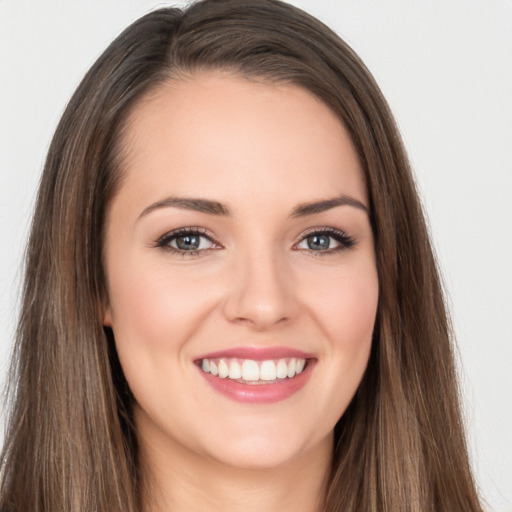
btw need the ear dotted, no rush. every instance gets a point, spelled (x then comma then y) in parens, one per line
(107, 317)
(105, 312)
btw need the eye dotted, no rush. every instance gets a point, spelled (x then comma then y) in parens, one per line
(325, 240)
(187, 241)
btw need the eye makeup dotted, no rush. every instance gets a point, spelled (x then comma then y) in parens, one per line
(187, 241)
(194, 241)
(317, 241)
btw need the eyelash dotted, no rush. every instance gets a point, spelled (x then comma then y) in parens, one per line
(345, 241)
(164, 241)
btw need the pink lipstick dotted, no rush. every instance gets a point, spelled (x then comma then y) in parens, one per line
(256, 375)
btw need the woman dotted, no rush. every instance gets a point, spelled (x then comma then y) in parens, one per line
(230, 300)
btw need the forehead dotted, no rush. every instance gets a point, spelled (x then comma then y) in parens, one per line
(216, 134)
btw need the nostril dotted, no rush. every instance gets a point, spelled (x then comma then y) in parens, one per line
(261, 295)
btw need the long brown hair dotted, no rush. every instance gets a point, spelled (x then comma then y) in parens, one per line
(70, 444)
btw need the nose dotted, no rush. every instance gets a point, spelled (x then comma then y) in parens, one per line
(261, 294)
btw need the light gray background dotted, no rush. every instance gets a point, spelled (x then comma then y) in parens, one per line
(445, 66)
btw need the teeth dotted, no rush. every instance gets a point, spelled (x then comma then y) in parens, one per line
(291, 368)
(252, 371)
(235, 370)
(268, 370)
(223, 369)
(282, 369)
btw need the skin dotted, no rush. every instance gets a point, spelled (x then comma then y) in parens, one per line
(261, 150)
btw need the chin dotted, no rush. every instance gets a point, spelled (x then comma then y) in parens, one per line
(267, 448)
(250, 457)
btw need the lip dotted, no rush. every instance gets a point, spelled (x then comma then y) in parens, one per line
(259, 393)
(256, 353)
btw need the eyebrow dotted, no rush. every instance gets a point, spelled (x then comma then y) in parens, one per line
(305, 209)
(220, 209)
(188, 203)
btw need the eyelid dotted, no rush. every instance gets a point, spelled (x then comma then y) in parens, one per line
(164, 240)
(345, 241)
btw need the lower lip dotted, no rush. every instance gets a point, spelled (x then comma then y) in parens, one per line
(260, 393)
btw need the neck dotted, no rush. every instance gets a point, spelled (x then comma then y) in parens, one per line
(180, 480)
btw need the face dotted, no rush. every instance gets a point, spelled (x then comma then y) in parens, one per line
(241, 272)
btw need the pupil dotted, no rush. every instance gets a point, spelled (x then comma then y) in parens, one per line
(187, 242)
(318, 242)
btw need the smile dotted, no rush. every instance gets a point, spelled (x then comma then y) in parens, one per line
(250, 371)
(257, 375)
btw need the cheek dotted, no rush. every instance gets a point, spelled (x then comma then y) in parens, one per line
(156, 311)
(346, 307)
(154, 305)
(357, 307)
(346, 314)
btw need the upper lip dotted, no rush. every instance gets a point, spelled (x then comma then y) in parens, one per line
(257, 353)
